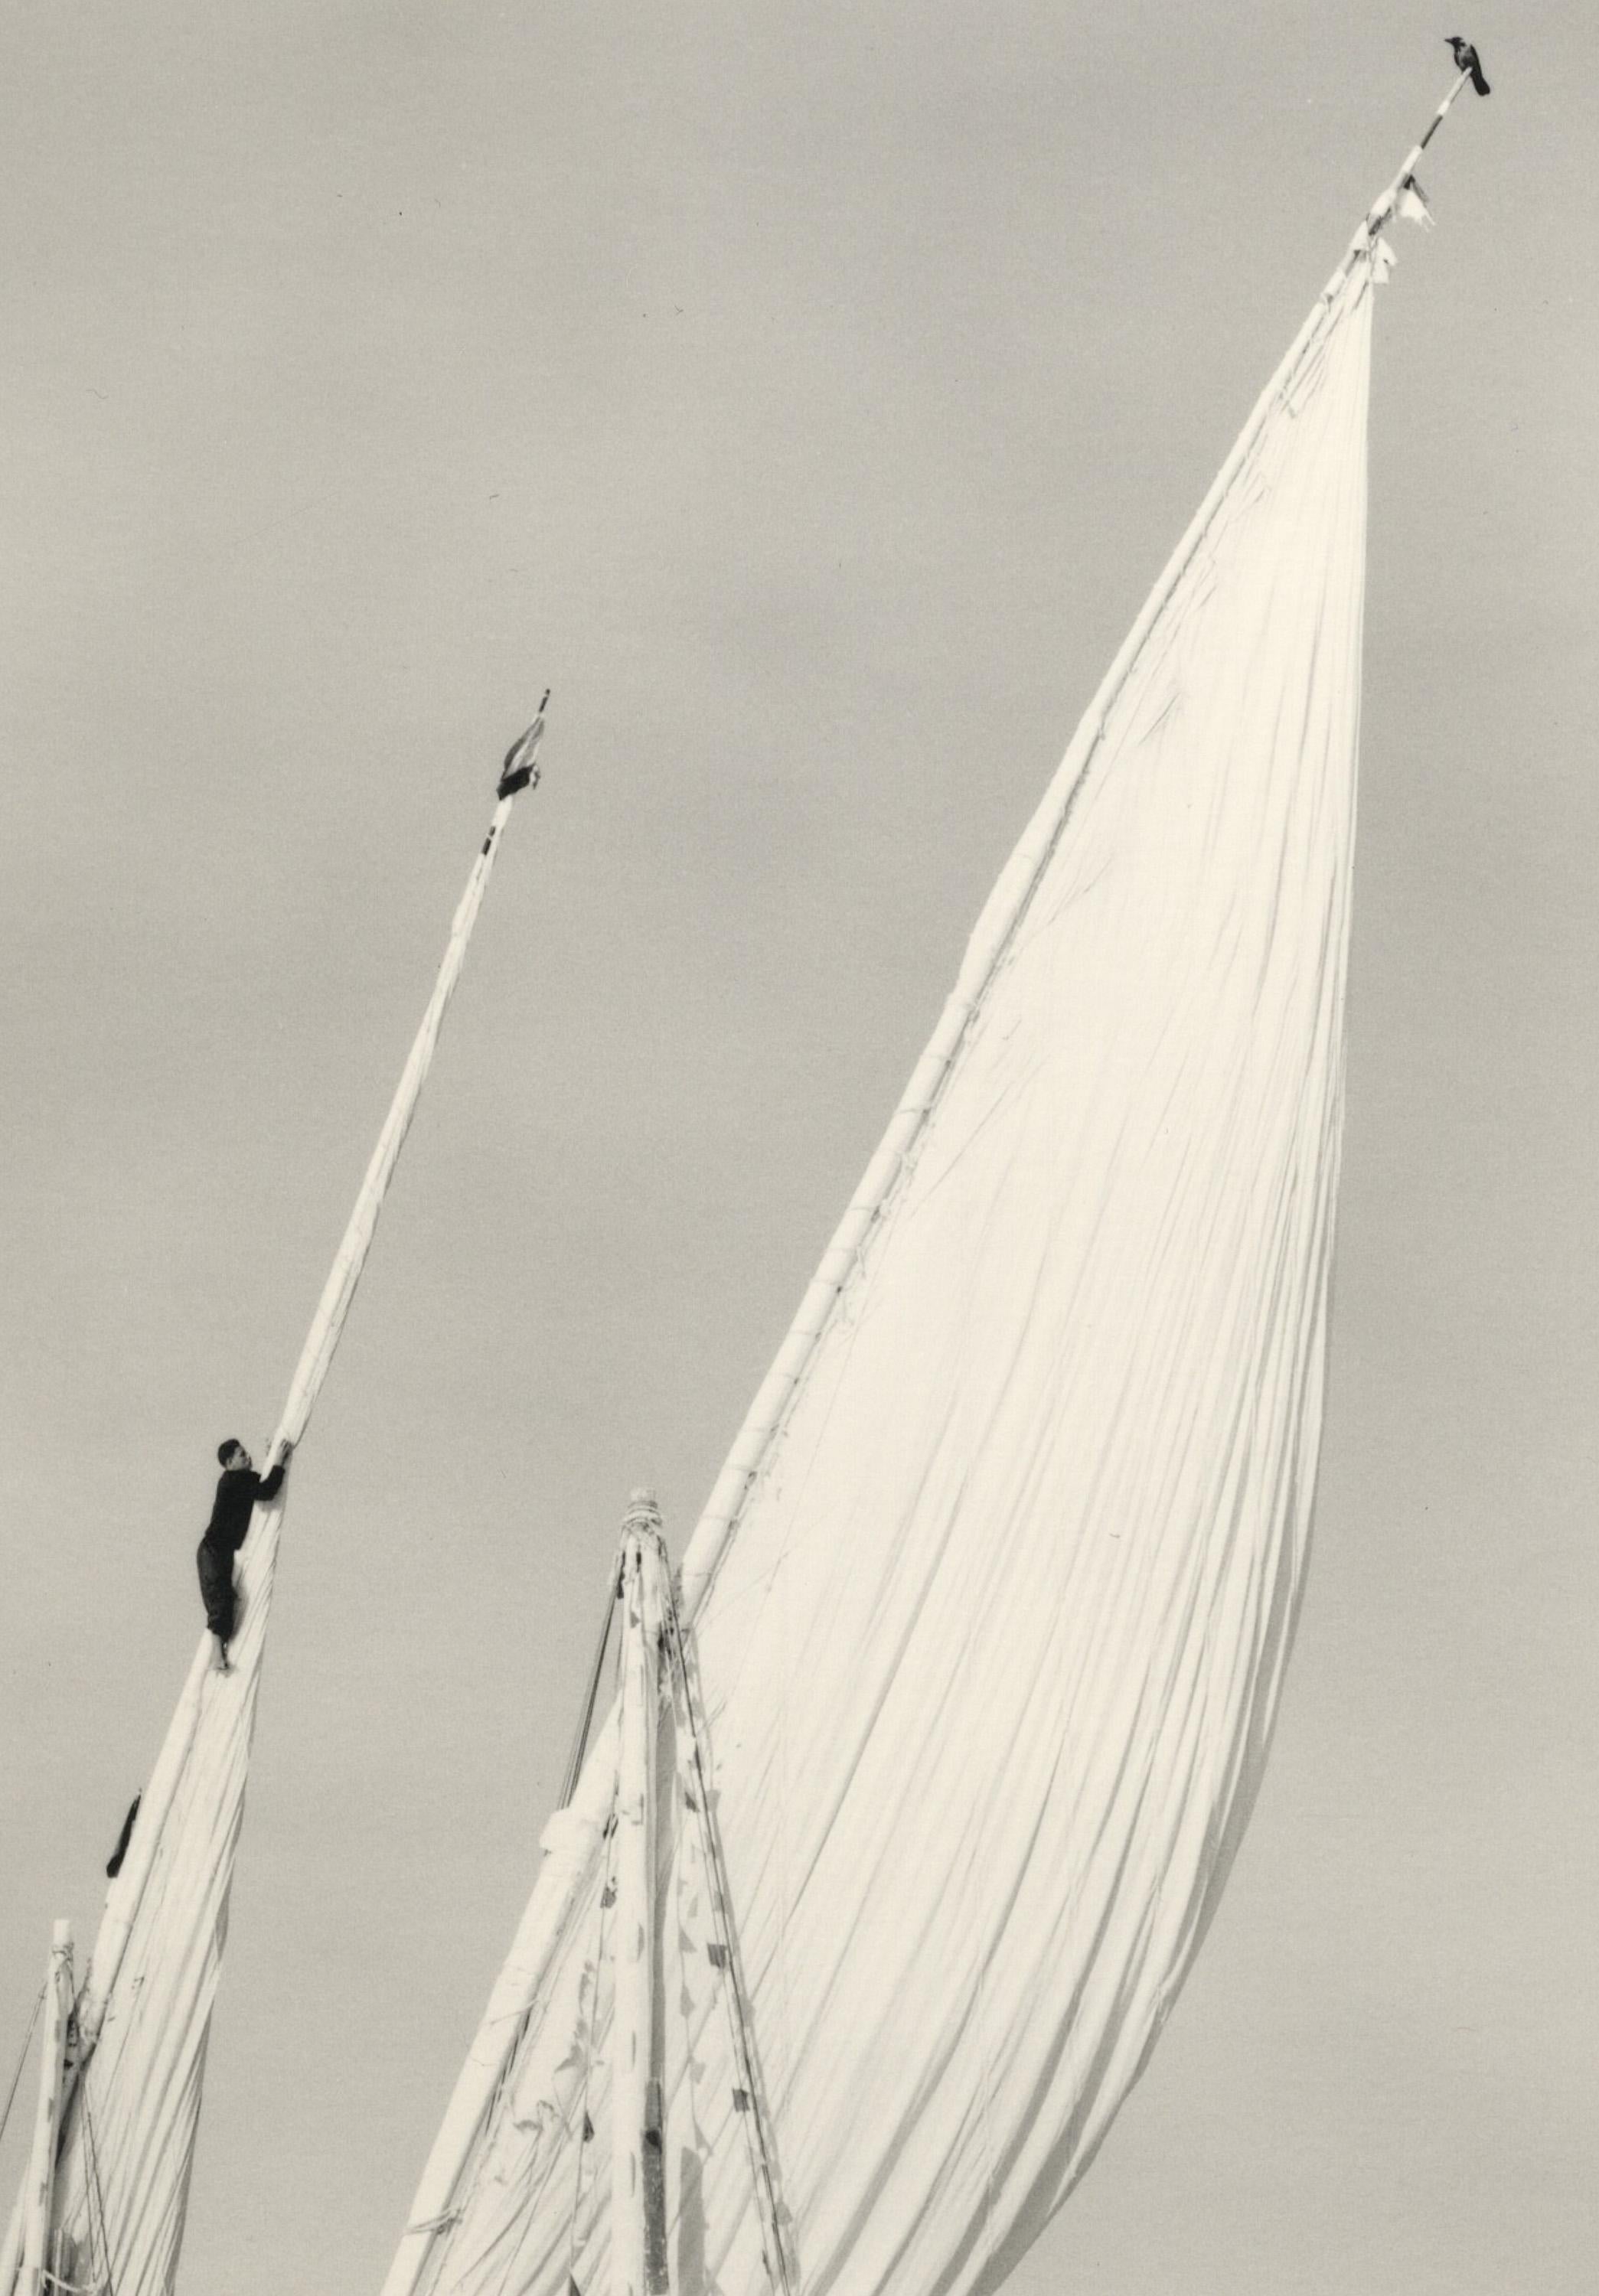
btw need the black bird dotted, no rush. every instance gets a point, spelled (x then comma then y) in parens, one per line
(1466, 59)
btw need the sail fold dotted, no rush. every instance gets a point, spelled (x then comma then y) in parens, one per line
(991, 1606)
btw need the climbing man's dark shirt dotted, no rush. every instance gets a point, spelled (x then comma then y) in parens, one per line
(237, 1490)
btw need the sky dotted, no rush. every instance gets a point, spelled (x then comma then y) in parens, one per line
(810, 399)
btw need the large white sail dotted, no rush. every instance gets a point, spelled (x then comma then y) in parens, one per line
(991, 1606)
(144, 2016)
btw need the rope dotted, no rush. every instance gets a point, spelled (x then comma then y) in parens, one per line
(773, 2256)
(23, 2056)
(575, 1760)
(96, 2200)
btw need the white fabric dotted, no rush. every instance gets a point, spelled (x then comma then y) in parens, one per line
(992, 1604)
(145, 2012)
(1413, 206)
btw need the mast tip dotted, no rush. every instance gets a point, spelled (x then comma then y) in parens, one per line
(1466, 59)
(642, 1514)
(520, 769)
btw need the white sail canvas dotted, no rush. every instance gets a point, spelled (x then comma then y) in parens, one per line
(144, 2018)
(991, 1608)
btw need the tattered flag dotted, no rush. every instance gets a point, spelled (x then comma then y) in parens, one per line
(1413, 204)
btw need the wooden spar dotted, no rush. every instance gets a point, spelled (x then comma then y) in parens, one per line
(39, 2191)
(209, 1704)
(990, 945)
(638, 2228)
(327, 1326)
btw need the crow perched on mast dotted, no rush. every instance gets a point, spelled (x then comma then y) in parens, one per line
(1465, 60)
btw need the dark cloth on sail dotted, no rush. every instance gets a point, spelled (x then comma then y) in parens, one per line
(113, 1864)
(239, 1489)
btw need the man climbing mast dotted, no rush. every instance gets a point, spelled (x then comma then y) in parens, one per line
(238, 1491)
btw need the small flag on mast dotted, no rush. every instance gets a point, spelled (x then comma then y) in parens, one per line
(1412, 204)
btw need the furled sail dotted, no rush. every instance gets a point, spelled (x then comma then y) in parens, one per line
(991, 1606)
(144, 2015)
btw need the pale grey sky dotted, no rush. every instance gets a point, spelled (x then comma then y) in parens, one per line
(810, 397)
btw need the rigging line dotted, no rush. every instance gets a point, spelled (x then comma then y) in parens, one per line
(607, 1896)
(586, 1719)
(584, 2125)
(23, 2056)
(585, 2132)
(97, 2196)
(756, 2135)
